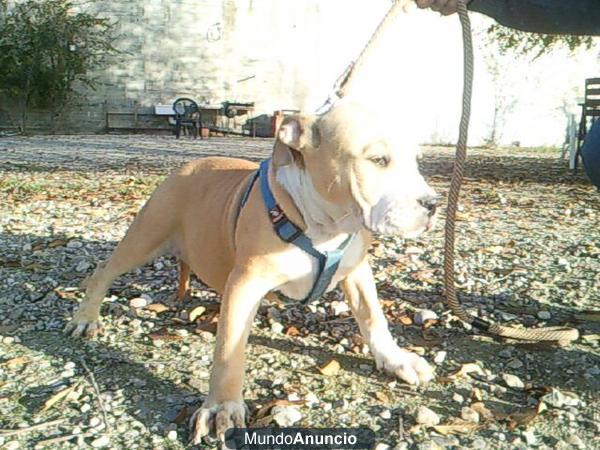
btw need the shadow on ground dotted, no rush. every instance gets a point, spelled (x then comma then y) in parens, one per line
(154, 399)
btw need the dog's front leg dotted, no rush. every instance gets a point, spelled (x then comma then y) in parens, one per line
(360, 291)
(224, 407)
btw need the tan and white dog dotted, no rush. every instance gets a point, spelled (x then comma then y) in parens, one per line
(333, 175)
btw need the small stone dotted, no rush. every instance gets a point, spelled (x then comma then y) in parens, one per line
(385, 414)
(469, 414)
(544, 315)
(67, 374)
(423, 315)
(69, 365)
(382, 446)
(558, 399)
(506, 353)
(479, 444)
(507, 317)
(1, 441)
(575, 441)
(95, 422)
(12, 445)
(8, 340)
(515, 364)
(293, 397)
(285, 416)
(172, 435)
(82, 266)
(529, 437)
(339, 307)
(138, 302)
(102, 441)
(74, 244)
(85, 408)
(426, 416)
(498, 390)
(440, 357)
(513, 381)
(311, 399)
(458, 398)
(276, 328)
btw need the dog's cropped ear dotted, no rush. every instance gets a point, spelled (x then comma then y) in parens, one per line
(296, 133)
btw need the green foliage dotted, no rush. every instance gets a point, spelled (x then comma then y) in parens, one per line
(46, 49)
(534, 44)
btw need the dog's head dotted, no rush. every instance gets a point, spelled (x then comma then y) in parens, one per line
(356, 165)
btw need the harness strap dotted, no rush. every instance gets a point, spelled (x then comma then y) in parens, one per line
(246, 195)
(289, 232)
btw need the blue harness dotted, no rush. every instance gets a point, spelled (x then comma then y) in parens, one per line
(289, 232)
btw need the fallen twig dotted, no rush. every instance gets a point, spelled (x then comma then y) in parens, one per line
(63, 438)
(400, 428)
(39, 426)
(98, 396)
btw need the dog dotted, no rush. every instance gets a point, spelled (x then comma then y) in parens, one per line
(334, 180)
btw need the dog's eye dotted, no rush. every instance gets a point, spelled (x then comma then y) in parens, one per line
(381, 161)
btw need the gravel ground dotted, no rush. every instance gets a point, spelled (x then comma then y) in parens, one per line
(529, 252)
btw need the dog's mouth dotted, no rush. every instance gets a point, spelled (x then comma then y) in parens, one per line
(390, 228)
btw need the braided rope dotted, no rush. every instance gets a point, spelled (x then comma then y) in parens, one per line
(559, 334)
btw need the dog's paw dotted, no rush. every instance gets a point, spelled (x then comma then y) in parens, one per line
(81, 326)
(403, 364)
(216, 419)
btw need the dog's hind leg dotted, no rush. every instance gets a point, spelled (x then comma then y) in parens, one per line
(147, 236)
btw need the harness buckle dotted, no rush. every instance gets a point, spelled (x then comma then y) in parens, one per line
(286, 230)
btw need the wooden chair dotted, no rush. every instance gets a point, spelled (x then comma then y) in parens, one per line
(590, 111)
(187, 114)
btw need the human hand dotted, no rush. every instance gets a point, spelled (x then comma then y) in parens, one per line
(444, 7)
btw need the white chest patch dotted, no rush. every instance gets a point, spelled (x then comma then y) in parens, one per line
(300, 268)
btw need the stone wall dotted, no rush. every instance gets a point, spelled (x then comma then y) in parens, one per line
(211, 51)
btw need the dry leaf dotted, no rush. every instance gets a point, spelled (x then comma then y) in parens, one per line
(588, 316)
(292, 331)
(58, 397)
(182, 416)
(196, 312)
(382, 397)
(388, 303)
(405, 319)
(331, 368)
(206, 327)
(157, 308)
(162, 334)
(457, 428)
(466, 369)
(68, 294)
(264, 410)
(7, 329)
(57, 243)
(15, 361)
(591, 337)
(480, 408)
(525, 417)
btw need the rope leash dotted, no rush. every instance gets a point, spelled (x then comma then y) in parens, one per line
(554, 334)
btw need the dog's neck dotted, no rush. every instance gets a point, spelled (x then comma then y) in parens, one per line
(324, 220)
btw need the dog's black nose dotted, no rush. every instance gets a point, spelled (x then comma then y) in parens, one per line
(429, 203)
